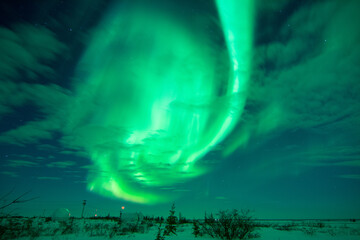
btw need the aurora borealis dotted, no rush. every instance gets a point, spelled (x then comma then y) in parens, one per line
(211, 104)
(156, 99)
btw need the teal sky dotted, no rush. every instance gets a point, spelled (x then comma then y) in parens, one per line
(209, 104)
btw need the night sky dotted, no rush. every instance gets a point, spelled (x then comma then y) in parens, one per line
(209, 104)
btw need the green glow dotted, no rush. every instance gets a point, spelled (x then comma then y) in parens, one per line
(149, 105)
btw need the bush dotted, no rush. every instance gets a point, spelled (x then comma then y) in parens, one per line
(285, 227)
(68, 227)
(230, 225)
(309, 231)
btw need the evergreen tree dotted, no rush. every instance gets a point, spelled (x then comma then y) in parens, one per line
(170, 227)
(158, 236)
(196, 228)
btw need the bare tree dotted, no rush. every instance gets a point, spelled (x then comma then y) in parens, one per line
(19, 199)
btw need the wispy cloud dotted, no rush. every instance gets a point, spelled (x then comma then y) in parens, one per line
(328, 156)
(75, 152)
(49, 178)
(64, 164)
(22, 163)
(11, 174)
(30, 50)
(81, 181)
(181, 190)
(350, 176)
(298, 159)
(49, 99)
(46, 147)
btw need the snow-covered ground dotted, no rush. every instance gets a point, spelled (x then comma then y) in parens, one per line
(311, 230)
(100, 229)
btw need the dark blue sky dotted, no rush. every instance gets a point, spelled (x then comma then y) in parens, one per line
(293, 153)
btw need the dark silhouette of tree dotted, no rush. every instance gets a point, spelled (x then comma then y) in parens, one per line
(196, 228)
(170, 227)
(19, 199)
(159, 236)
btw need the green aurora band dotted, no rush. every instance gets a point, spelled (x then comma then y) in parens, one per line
(150, 103)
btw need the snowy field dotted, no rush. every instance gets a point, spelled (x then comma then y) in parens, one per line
(98, 229)
(316, 230)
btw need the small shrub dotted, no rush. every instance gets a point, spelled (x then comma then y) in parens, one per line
(332, 232)
(320, 225)
(229, 225)
(149, 224)
(97, 230)
(114, 231)
(34, 233)
(309, 231)
(133, 227)
(67, 227)
(285, 227)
